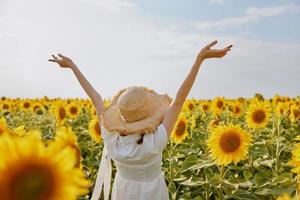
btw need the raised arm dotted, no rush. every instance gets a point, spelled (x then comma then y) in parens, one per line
(96, 98)
(173, 111)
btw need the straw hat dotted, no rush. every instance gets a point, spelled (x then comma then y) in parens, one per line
(135, 109)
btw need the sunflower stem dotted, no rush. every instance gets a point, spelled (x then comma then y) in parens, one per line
(272, 140)
(222, 179)
(206, 188)
(277, 147)
(171, 161)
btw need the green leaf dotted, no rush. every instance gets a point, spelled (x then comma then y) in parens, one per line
(263, 177)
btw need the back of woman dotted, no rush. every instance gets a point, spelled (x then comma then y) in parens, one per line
(138, 160)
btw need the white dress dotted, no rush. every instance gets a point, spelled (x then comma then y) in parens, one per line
(139, 175)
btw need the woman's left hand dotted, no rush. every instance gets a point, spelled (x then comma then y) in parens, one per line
(207, 52)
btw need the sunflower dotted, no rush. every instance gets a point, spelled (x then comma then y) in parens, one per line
(3, 126)
(28, 170)
(277, 99)
(258, 115)
(295, 161)
(205, 106)
(294, 113)
(236, 109)
(72, 109)
(218, 105)
(94, 129)
(6, 105)
(193, 121)
(281, 109)
(189, 105)
(26, 105)
(214, 123)
(60, 112)
(284, 196)
(228, 143)
(38, 108)
(20, 131)
(65, 137)
(241, 100)
(180, 131)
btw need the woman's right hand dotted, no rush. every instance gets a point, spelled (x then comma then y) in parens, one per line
(64, 62)
(207, 52)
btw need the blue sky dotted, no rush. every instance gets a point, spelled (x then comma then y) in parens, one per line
(120, 43)
(280, 28)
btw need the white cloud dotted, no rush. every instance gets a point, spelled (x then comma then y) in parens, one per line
(217, 1)
(251, 14)
(112, 6)
(115, 47)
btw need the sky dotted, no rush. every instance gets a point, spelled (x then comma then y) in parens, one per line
(152, 43)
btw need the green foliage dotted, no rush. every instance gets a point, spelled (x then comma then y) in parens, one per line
(189, 171)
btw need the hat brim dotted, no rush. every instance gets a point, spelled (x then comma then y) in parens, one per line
(113, 122)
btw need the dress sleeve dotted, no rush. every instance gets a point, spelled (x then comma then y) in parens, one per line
(104, 134)
(109, 139)
(161, 137)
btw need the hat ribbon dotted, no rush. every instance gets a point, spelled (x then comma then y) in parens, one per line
(103, 176)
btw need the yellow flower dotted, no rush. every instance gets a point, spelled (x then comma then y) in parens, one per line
(218, 105)
(3, 126)
(179, 133)
(214, 123)
(94, 129)
(236, 109)
(228, 143)
(26, 105)
(258, 115)
(28, 170)
(60, 112)
(281, 109)
(72, 109)
(205, 106)
(295, 161)
(6, 105)
(284, 196)
(294, 113)
(38, 108)
(65, 137)
(189, 105)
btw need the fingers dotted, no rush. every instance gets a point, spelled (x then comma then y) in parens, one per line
(211, 44)
(54, 56)
(51, 60)
(60, 55)
(228, 47)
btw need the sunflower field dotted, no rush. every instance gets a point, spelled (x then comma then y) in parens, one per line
(237, 149)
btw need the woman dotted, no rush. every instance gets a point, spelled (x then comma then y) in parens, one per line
(135, 130)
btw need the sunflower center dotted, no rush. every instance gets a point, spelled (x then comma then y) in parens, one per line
(62, 113)
(26, 105)
(220, 104)
(258, 116)
(237, 110)
(296, 113)
(97, 128)
(230, 142)
(180, 128)
(33, 182)
(191, 106)
(5, 106)
(205, 107)
(73, 110)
